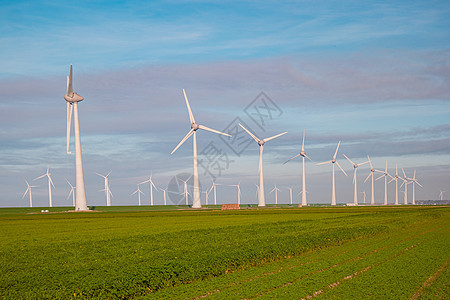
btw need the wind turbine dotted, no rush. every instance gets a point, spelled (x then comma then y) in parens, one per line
(214, 185)
(152, 185)
(196, 203)
(32, 186)
(290, 194)
(405, 182)
(261, 199)
(333, 184)
(364, 195)
(72, 100)
(385, 175)
(107, 190)
(441, 195)
(355, 167)
(414, 181)
(238, 191)
(372, 171)
(139, 192)
(396, 178)
(276, 193)
(50, 184)
(164, 195)
(72, 188)
(185, 192)
(303, 155)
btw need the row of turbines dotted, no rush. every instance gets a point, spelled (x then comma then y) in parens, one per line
(79, 195)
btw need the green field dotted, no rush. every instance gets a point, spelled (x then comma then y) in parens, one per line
(175, 253)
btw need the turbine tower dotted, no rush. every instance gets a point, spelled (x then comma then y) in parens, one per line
(414, 181)
(333, 184)
(164, 195)
(372, 171)
(32, 186)
(214, 185)
(72, 188)
(152, 185)
(261, 199)
(72, 100)
(196, 202)
(355, 167)
(441, 195)
(276, 193)
(238, 192)
(396, 178)
(139, 192)
(303, 155)
(405, 182)
(50, 184)
(107, 190)
(385, 175)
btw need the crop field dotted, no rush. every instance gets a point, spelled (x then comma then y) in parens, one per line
(394, 252)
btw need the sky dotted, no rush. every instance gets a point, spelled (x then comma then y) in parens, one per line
(373, 75)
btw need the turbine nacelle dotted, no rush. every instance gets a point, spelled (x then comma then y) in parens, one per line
(195, 126)
(261, 142)
(75, 98)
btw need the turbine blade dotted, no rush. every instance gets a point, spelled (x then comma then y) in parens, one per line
(51, 181)
(69, 123)
(379, 177)
(308, 157)
(325, 162)
(337, 148)
(368, 176)
(354, 176)
(303, 142)
(183, 140)
(260, 158)
(24, 194)
(212, 130)
(349, 160)
(341, 169)
(251, 134)
(291, 158)
(404, 175)
(69, 83)
(191, 116)
(274, 137)
(40, 177)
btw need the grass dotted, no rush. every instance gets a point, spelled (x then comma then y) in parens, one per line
(165, 252)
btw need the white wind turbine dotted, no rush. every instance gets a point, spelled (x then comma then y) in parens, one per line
(333, 184)
(29, 191)
(185, 191)
(364, 196)
(385, 175)
(414, 181)
(139, 192)
(72, 100)
(441, 195)
(238, 192)
(164, 195)
(396, 178)
(107, 190)
(276, 193)
(405, 182)
(303, 155)
(355, 167)
(214, 186)
(196, 202)
(372, 171)
(290, 194)
(72, 188)
(261, 199)
(50, 184)
(152, 185)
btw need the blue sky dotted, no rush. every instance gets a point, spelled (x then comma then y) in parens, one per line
(374, 75)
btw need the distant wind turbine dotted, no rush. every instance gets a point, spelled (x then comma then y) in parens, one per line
(107, 189)
(414, 181)
(72, 100)
(372, 171)
(355, 167)
(196, 203)
(139, 192)
(333, 184)
(238, 192)
(405, 182)
(290, 194)
(261, 142)
(385, 175)
(185, 192)
(32, 186)
(303, 155)
(276, 193)
(50, 184)
(152, 185)
(364, 195)
(72, 192)
(441, 195)
(164, 195)
(214, 186)
(396, 178)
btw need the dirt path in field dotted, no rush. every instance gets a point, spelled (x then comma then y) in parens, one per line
(429, 281)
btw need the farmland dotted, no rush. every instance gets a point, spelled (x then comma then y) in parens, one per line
(361, 252)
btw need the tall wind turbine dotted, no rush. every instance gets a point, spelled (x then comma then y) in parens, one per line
(355, 167)
(72, 188)
(261, 199)
(107, 190)
(238, 192)
(405, 182)
(50, 184)
(303, 155)
(276, 193)
(32, 186)
(396, 178)
(185, 191)
(72, 105)
(414, 181)
(139, 192)
(385, 175)
(333, 184)
(164, 195)
(152, 185)
(441, 195)
(196, 202)
(372, 171)
(214, 186)
(290, 194)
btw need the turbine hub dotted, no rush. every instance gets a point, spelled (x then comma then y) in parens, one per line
(195, 126)
(261, 142)
(333, 160)
(74, 98)
(303, 153)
